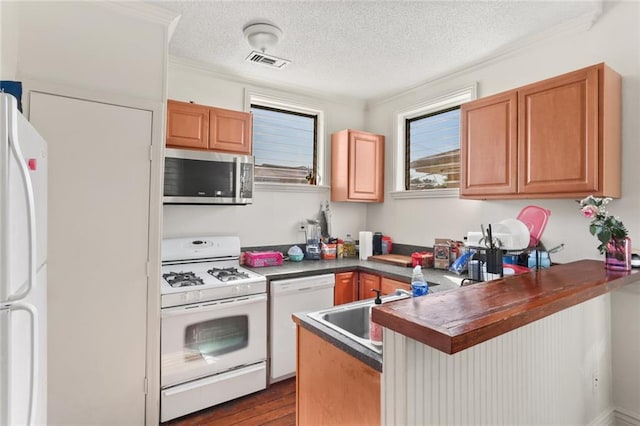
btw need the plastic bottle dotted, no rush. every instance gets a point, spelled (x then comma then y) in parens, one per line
(375, 329)
(418, 283)
(349, 247)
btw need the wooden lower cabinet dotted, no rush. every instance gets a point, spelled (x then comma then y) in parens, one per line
(346, 289)
(332, 387)
(367, 282)
(389, 286)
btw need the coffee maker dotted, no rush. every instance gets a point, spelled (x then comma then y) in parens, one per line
(313, 234)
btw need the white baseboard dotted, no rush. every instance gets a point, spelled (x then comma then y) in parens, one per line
(606, 418)
(626, 418)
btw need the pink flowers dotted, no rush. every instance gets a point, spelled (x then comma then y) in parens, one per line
(603, 226)
(589, 211)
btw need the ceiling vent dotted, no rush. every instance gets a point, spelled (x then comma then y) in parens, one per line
(267, 60)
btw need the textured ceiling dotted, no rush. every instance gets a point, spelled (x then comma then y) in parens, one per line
(361, 49)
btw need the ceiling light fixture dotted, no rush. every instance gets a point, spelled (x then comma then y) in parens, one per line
(261, 36)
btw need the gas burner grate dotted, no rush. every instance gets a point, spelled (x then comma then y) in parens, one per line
(227, 274)
(182, 279)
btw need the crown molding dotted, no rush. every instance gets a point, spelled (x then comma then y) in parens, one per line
(246, 79)
(147, 12)
(573, 26)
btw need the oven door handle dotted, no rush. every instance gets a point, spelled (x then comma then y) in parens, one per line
(212, 306)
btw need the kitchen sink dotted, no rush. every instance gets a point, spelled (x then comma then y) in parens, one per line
(352, 320)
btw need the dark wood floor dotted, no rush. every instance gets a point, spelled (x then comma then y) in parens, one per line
(274, 406)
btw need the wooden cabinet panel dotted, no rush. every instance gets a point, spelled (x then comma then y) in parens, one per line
(389, 286)
(332, 387)
(196, 126)
(564, 134)
(489, 144)
(357, 166)
(230, 131)
(366, 283)
(187, 125)
(558, 134)
(366, 162)
(346, 288)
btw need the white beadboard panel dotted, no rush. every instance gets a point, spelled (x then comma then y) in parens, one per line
(540, 374)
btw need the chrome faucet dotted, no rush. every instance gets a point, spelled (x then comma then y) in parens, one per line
(403, 292)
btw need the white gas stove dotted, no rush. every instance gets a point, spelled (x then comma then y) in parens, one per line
(205, 268)
(213, 328)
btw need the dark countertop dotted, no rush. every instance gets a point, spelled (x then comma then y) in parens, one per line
(461, 318)
(439, 280)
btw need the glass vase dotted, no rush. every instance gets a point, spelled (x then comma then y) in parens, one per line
(618, 255)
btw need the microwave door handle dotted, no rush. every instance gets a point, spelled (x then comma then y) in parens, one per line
(238, 177)
(14, 142)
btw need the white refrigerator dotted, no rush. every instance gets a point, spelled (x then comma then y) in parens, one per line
(23, 269)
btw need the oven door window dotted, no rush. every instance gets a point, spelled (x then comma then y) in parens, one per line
(217, 336)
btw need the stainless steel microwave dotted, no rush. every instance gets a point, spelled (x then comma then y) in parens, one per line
(205, 177)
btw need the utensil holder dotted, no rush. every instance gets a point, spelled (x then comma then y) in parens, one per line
(494, 261)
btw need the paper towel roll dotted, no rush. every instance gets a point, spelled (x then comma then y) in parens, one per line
(366, 244)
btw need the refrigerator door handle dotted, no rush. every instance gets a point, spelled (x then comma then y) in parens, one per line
(31, 210)
(33, 314)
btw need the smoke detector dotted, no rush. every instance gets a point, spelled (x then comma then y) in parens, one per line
(261, 36)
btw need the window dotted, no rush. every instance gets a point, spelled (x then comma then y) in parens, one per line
(427, 149)
(432, 150)
(287, 140)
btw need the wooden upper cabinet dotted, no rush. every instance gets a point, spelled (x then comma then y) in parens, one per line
(564, 134)
(346, 288)
(187, 125)
(366, 283)
(196, 126)
(357, 166)
(558, 134)
(230, 131)
(489, 145)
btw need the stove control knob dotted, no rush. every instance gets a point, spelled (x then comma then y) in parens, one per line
(236, 290)
(199, 294)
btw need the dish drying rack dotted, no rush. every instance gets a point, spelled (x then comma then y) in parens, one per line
(489, 260)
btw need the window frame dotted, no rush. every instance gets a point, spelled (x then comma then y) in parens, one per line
(314, 117)
(445, 101)
(407, 142)
(294, 105)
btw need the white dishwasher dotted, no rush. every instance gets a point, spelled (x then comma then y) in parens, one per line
(287, 297)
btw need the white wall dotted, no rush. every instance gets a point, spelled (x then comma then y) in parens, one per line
(8, 40)
(92, 45)
(615, 40)
(625, 325)
(273, 216)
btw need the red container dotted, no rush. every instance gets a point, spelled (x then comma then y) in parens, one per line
(257, 259)
(423, 258)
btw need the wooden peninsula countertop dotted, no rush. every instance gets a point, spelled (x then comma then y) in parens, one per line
(457, 319)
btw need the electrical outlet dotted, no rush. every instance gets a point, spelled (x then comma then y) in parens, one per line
(302, 226)
(595, 380)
